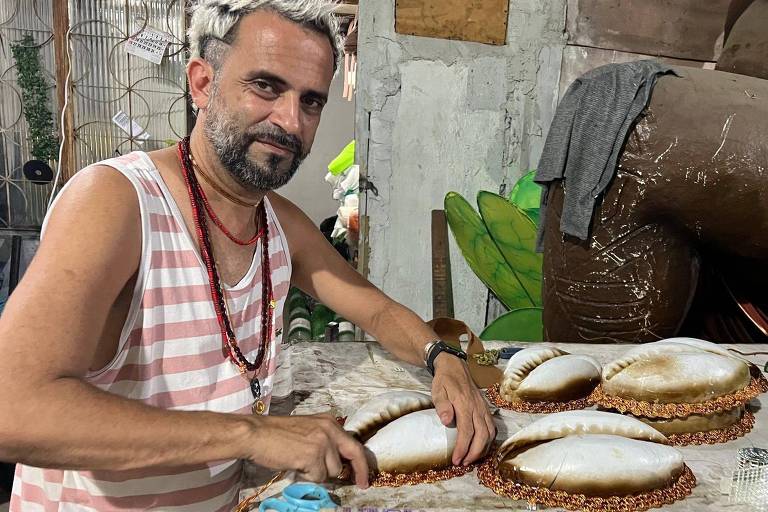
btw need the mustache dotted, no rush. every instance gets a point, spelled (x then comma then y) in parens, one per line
(273, 134)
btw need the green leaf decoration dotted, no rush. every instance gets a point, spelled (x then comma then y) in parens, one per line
(534, 215)
(517, 325)
(35, 98)
(514, 233)
(526, 193)
(482, 254)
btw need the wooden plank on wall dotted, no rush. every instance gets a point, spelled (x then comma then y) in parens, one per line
(683, 29)
(60, 29)
(482, 21)
(442, 288)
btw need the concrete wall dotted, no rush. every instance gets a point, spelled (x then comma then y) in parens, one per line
(436, 115)
(308, 188)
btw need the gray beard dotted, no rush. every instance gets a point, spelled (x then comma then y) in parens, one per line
(231, 146)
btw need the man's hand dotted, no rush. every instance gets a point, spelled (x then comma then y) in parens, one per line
(315, 446)
(456, 397)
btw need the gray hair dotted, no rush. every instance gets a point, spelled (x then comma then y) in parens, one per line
(217, 20)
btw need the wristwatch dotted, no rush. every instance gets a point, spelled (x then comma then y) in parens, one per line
(432, 350)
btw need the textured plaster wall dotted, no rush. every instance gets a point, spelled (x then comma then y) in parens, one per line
(436, 115)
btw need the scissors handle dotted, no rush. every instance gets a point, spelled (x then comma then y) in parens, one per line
(300, 497)
(276, 504)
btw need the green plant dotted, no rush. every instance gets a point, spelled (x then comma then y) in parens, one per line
(34, 98)
(499, 246)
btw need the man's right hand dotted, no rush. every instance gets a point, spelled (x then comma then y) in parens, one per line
(314, 446)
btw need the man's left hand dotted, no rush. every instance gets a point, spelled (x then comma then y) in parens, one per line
(457, 398)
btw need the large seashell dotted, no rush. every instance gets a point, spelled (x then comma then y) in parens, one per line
(415, 442)
(548, 374)
(595, 465)
(679, 370)
(592, 453)
(664, 347)
(562, 424)
(402, 433)
(384, 408)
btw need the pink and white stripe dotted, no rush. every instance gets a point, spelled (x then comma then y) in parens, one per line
(170, 356)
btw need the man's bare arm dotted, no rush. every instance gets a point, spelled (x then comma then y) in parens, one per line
(50, 331)
(320, 271)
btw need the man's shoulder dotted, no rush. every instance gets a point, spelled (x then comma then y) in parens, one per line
(97, 182)
(285, 209)
(297, 226)
(98, 195)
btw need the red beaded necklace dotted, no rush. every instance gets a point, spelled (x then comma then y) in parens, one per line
(215, 217)
(198, 202)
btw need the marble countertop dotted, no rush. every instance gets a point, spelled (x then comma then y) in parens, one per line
(337, 377)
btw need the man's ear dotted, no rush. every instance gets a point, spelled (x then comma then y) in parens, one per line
(200, 76)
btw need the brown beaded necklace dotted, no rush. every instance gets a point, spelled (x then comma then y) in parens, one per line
(229, 341)
(212, 214)
(215, 186)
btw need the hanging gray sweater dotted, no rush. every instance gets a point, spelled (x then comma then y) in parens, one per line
(587, 134)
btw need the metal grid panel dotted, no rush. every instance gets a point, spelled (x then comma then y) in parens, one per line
(105, 80)
(22, 203)
(108, 80)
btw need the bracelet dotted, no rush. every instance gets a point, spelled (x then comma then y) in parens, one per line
(427, 348)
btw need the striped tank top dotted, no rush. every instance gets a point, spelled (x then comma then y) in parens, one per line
(170, 356)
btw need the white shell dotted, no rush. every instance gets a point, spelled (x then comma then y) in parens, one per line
(521, 363)
(678, 370)
(596, 465)
(563, 424)
(548, 374)
(415, 442)
(666, 346)
(384, 408)
(590, 452)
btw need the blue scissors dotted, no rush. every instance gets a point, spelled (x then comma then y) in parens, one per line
(301, 497)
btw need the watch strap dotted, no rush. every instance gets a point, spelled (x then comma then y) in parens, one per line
(436, 349)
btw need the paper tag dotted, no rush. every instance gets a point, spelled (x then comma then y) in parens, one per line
(130, 127)
(149, 44)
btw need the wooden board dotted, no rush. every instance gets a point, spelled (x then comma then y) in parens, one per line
(683, 29)
(442, 289)
(482, 21)
(61, 26)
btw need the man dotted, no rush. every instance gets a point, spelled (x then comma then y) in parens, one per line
(162, 278)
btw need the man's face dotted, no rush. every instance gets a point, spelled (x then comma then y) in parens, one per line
(266, 100)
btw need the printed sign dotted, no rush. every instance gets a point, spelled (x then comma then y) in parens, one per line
(149, 44)
(130, 127)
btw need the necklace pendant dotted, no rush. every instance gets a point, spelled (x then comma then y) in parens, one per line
(258, 407)
(272, 304)
(256, 389)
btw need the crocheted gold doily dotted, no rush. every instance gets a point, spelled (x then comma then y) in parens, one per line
(489, 476)
(384, 479)
(535, 407)
(715, 436)
(758, 384)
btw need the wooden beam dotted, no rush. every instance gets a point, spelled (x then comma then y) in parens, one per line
(66, 129)
(442, 289)
(345, 9)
